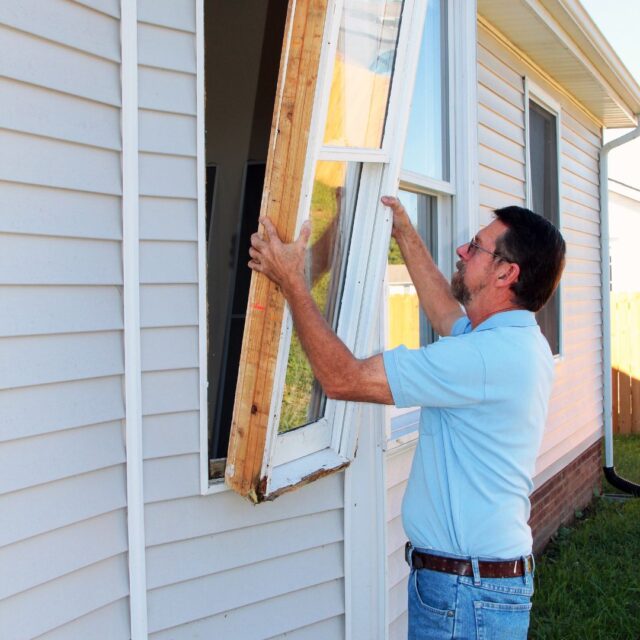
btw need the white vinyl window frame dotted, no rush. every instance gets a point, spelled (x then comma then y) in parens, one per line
(454, 217)
(535, 93)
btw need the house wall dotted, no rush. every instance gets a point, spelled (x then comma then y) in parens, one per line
(217, 566)
(63, 538)
(575, 414)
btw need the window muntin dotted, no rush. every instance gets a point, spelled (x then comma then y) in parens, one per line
(544, 200)
(333, 204)
(426, 150)
(362, 73)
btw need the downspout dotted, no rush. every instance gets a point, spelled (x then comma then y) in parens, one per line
(609, 470)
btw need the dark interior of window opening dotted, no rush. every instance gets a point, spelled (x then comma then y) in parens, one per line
(243, 44)
(544, 200)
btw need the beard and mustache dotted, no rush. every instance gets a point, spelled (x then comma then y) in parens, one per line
(459, 289)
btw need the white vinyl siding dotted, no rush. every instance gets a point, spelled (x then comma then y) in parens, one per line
(63, 550)
(575, 412)
(217, 566)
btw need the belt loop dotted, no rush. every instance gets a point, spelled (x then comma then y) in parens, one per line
(525, 569)
(476, 572)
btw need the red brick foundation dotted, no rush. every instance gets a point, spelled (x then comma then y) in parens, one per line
(554, 504)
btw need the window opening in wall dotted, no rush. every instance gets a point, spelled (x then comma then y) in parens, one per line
(243, 44)
(543, 159)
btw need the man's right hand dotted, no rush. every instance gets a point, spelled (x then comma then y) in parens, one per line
(401, 221)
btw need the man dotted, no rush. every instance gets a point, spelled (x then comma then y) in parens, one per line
(484, 389)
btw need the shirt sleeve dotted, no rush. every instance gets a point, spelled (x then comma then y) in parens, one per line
(447, 373)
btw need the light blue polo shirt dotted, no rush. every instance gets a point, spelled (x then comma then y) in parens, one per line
(484, 395)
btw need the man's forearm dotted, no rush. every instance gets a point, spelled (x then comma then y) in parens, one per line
(341, 375)
(432, 288)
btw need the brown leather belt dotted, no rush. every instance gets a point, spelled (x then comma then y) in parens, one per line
(488, 569)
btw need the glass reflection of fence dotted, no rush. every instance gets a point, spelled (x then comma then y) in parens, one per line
(625, 361)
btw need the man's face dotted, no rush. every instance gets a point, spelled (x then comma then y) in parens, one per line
(476, 265)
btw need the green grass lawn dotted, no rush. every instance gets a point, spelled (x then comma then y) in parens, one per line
(588, 580)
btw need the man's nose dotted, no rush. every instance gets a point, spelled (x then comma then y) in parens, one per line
(463, 251)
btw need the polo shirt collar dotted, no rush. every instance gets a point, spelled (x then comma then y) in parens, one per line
(514, 318)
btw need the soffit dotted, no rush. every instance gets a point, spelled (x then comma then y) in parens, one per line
(561, 39)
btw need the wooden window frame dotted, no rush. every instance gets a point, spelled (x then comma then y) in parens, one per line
(254, 438)
(535, 93)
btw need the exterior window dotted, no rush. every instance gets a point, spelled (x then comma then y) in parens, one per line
(426, 150)
(426, 192)
(544, 198)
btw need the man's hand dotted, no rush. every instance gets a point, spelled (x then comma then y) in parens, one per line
(282, 263)
(401, 221)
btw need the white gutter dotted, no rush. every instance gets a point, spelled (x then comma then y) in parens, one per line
(610, 473)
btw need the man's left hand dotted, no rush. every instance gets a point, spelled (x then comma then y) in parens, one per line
(280, 262)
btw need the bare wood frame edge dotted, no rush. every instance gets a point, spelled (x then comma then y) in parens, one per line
(280, 200)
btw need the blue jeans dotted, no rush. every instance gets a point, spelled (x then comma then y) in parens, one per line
(443, 605)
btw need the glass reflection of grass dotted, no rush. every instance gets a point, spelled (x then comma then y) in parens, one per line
(299, 378)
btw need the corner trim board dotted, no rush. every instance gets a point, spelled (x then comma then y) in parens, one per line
(131, 310)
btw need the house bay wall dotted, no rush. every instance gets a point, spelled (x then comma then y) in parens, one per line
(575, 418)
(63, 539)
(217, 566)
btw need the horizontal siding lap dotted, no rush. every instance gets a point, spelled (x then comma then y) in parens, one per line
(39, 260)
(394, 501)
(169, 348)
(32, 209)
(495, 141)
(397, 567)
(30, 562)
(488, 57)
(66, 598)
(168, 219)
(170, 391)
(503, 108)
(39, 310)
(178, 133)
(398, 465)
(171, 477)
(171, 434)
(42, 112)
(30, 59)
(398, 628)
(397, 601)
(164, 90)
(503, 164)
(396, 537)
(57, 358)
(166, 48)
(53, 163)
(65, 23)
(164, 305)
(198, 516)
(57, 504)
(277, 615)
(198, 557)
(210, 595)
(177, 14)
(508, 185)
(333, 628)
(167, 175)
(108, 7)
(568, 444)
(496, 84)
(69, 405)
(31, 461)
(495, 122)
(112, 620)
(168, 262)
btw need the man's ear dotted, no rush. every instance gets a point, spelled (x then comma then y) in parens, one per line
(508, 275)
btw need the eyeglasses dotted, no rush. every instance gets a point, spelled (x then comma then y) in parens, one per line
(473, 246)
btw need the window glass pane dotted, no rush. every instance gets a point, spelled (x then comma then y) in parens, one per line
(362, 73)
(543, 153)
(333, 204)
(427, 144)
(407, 324)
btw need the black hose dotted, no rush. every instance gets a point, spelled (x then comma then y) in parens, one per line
(620, 483)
